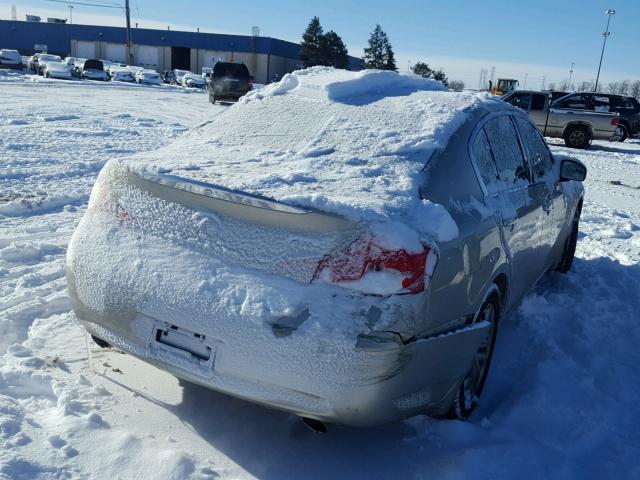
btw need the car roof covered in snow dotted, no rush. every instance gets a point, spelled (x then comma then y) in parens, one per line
(350, 143)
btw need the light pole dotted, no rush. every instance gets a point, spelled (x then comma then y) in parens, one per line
(70, 13)
(610, 12)
(570, 75)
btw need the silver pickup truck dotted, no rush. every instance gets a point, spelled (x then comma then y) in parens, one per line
(576, 127)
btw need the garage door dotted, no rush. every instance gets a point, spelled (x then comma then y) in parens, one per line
(86, 50)
(116, 52)
(147, 56)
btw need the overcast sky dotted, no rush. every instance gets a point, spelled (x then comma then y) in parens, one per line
(534, 38)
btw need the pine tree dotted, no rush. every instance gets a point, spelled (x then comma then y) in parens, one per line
(312, 40)
(334, 51)
(422, 69)
(390, 61)
(379, 54)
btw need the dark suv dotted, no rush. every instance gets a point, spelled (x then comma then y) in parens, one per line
(627, 107)
(229, 81)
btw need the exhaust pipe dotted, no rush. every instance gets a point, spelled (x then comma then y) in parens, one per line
(315, 426)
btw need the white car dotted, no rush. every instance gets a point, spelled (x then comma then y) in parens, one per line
(45, 58)
(10, 59)
(180, 75)
(150, 77)
(192, 80)
(120, 74)
(57, 70)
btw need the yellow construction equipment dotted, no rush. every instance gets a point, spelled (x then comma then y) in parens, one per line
(503, 86)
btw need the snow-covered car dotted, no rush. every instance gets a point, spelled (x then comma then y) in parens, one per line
(191, 80)
(120, 74)
(45, 58)
(340, 245)
(10, 59)
(148, 77)
(57, 70)
(93, 70)
(180, 75)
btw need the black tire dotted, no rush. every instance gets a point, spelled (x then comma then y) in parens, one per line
(569, 251)
(470, 389)
(101, 343)
(212, 98)
(623, 132)
(577, 137)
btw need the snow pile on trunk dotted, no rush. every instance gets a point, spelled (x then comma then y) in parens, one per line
(350, 143)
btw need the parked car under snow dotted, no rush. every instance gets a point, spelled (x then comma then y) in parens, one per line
(339, 245)
(57, 70)
(148, 77)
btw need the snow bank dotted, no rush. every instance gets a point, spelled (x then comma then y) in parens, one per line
(351, 143)
(332, 84)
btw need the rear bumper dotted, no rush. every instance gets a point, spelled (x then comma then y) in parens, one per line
(376, 381)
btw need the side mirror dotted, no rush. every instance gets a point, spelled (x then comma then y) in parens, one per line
(572, 170)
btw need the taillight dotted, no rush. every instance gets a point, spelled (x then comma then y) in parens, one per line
(101, 200)
(615, 121)
(365, 267)
(250, 83)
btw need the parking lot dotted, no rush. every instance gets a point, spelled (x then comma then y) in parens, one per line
(553, 399)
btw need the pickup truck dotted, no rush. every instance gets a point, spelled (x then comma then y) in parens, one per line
(576, 127)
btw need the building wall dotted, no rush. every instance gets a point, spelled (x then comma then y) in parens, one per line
(267, 58)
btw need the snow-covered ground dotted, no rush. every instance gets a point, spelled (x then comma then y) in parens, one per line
(560, 402)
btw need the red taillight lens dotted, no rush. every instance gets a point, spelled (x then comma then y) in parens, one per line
(250, 85)
(366, 267)
(615, 121)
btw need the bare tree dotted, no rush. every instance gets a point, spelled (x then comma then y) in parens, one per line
(624, 87)
(456, 85)
(634, 89)
(564, 85)
(585, 87)
(613, 87)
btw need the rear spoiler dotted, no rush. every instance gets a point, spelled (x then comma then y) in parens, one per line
(244, 206)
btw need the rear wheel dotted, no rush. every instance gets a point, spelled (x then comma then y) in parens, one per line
(471, 387)
(570, 245)
(577, 137)
(622, 132)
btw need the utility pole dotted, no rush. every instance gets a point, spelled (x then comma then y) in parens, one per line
(127, 12)
(526, 75)
(14, 14)
(610, 12)
(544, 81)
(70, 13)
(571, 75)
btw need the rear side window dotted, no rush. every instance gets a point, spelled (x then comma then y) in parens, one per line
(235, 70)
(507, 154)
(537, 151)
(484, 161)
(600, 103)
(575, 101)
(538, 101)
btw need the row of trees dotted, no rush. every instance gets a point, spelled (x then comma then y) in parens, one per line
(328, 49)
(624, 87)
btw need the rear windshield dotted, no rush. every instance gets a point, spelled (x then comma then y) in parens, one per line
(49, 58)
(10, 54)
(226, 69)
(93, 65)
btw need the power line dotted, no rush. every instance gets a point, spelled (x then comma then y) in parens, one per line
(112, 5)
